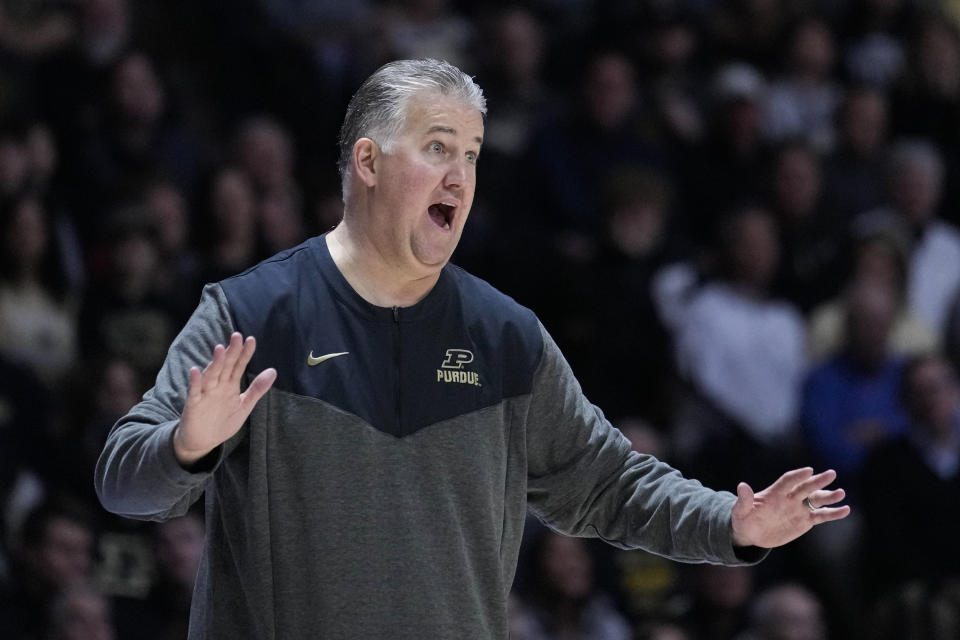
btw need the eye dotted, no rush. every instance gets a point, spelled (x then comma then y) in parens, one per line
(472, 157)
(436, 147)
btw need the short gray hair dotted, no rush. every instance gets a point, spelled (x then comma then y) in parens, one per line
(379, 106)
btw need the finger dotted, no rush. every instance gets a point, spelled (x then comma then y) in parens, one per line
(824, 498)
(830, 513)
(789, 480)
(260, 385)
(211, 374)
(196, 382)
(815, 483)
(231, 356)
(249, 346)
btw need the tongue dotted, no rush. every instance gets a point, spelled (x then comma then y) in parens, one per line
(436, 214)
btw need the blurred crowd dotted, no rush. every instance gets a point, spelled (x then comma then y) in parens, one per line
(737, 218)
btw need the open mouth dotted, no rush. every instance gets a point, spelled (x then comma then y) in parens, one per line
(442, 214)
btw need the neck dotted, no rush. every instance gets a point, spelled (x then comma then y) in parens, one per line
(371, 273)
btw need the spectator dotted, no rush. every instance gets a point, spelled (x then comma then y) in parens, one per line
(180, 263)
(565, 604)
(801, 102)
(875, 53)
(812, 234)
(54, 553)
(748, 30)
(850, 406)
(14, 160)
(854, 172)
(850, 401)
(916, 173)
(232, 243)
(725, 169)
(669, 46)
(425, 29)
(164, 614)
(720, 600)
(37, 311)
(601, 311)
(125, 313)
(927, 103)
(742, 352)
(878, 256)
(786, 612)
(139, 132)
(570, 160)
(908, 481)
(80, 613)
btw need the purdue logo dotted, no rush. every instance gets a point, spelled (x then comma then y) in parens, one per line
(451, 369)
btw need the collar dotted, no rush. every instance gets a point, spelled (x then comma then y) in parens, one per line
(430, 304)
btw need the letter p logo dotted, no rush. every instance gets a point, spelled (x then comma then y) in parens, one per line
(456, 358)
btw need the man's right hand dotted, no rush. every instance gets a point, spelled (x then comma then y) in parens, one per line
(215, 408)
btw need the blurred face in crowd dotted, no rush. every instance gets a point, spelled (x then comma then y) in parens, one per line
(938, 57)
(179, 547)
(14, 165)
(812, 51)
(169, 209)
(65, 556)
(27, 236)
(281, 223)
(869, 320)
(137, 90)
(755, 249)
(266, 153)
(797, 182)
(233, 204)
(83, 615)
(933, 396)
(876, 261)
(119, 388)
(636, 228)
(520, 41)
(793, 614)
(917, 191)
(424, 183)
(725, 587)
(567, 567)
(863, 124)
(41, 150)
(611, 91)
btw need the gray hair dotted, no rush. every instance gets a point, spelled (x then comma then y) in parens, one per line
(378, 108)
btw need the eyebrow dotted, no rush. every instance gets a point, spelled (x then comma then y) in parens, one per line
(439, 128)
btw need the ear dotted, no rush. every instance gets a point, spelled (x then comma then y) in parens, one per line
(365, 156)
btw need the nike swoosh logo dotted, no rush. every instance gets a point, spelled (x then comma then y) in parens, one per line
(312, 361)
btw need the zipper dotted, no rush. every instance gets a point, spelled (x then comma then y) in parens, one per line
(396, 368)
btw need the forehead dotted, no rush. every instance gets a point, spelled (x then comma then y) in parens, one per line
(430, 113)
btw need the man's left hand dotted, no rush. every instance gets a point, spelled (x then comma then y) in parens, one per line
(785, 510)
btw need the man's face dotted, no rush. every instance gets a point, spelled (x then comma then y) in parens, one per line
(425, 183)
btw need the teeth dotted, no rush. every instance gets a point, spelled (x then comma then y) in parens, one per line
(446, 225)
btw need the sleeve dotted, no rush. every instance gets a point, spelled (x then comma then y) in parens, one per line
(584, 480)
(138, 475)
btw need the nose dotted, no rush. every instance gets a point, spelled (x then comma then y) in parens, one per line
(456, 175)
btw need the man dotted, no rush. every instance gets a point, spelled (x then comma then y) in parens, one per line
(380, 488)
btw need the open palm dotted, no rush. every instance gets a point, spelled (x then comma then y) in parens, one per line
(778, 514)
(215, 408)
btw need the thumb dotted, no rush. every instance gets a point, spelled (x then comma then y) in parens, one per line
(260, 385)
(744, 500)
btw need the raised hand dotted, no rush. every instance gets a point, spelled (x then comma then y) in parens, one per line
(785, 510)
(215, 408)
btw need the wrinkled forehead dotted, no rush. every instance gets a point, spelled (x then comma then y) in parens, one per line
(433, 112)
